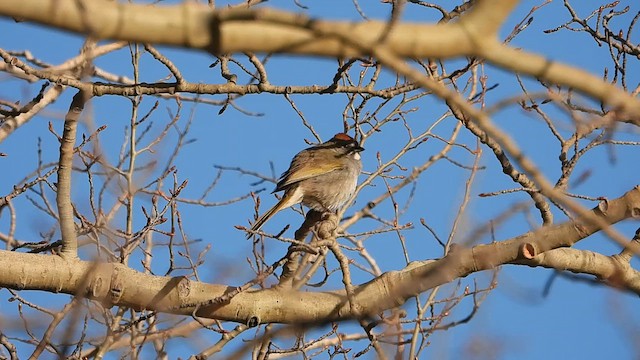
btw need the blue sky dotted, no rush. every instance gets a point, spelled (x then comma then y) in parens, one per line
(575, 320)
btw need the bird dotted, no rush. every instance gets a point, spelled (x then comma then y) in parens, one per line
(321, 177)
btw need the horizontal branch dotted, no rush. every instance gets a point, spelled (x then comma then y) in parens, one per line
(611, 269)
(265, 30)
(194, 25)
(116, 284)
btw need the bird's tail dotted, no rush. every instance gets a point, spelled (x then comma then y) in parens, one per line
(266, 216)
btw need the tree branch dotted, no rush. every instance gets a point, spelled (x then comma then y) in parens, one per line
(266, 30)
(63, 194)
(116, 284)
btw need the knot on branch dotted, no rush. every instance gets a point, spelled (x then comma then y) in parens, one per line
(253, 321)
(528, 250)
(325, 224)
(326, 228)
(116, 289)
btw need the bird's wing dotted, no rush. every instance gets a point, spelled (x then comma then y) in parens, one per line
(299, 171)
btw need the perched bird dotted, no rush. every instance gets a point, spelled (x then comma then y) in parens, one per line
(322, 177)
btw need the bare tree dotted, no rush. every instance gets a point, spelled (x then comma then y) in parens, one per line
(108, 217)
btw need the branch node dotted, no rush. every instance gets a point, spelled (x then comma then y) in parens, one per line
(184, 287)
(327, 226)
(603, 206)
(528, 250)
(116, 288)
(253, 321)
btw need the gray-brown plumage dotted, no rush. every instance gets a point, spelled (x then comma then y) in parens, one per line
(322, 177)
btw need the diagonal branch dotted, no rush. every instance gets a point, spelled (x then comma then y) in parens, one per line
(25, 114)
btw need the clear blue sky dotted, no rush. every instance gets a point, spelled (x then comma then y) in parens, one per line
(576, 320)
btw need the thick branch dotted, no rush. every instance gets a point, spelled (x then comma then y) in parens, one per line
(195, 25)
(265, 30)
(63, 194)
(606, 268)
(116, 284)
(540, 67)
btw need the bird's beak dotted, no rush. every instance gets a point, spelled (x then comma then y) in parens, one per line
(359, 148)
